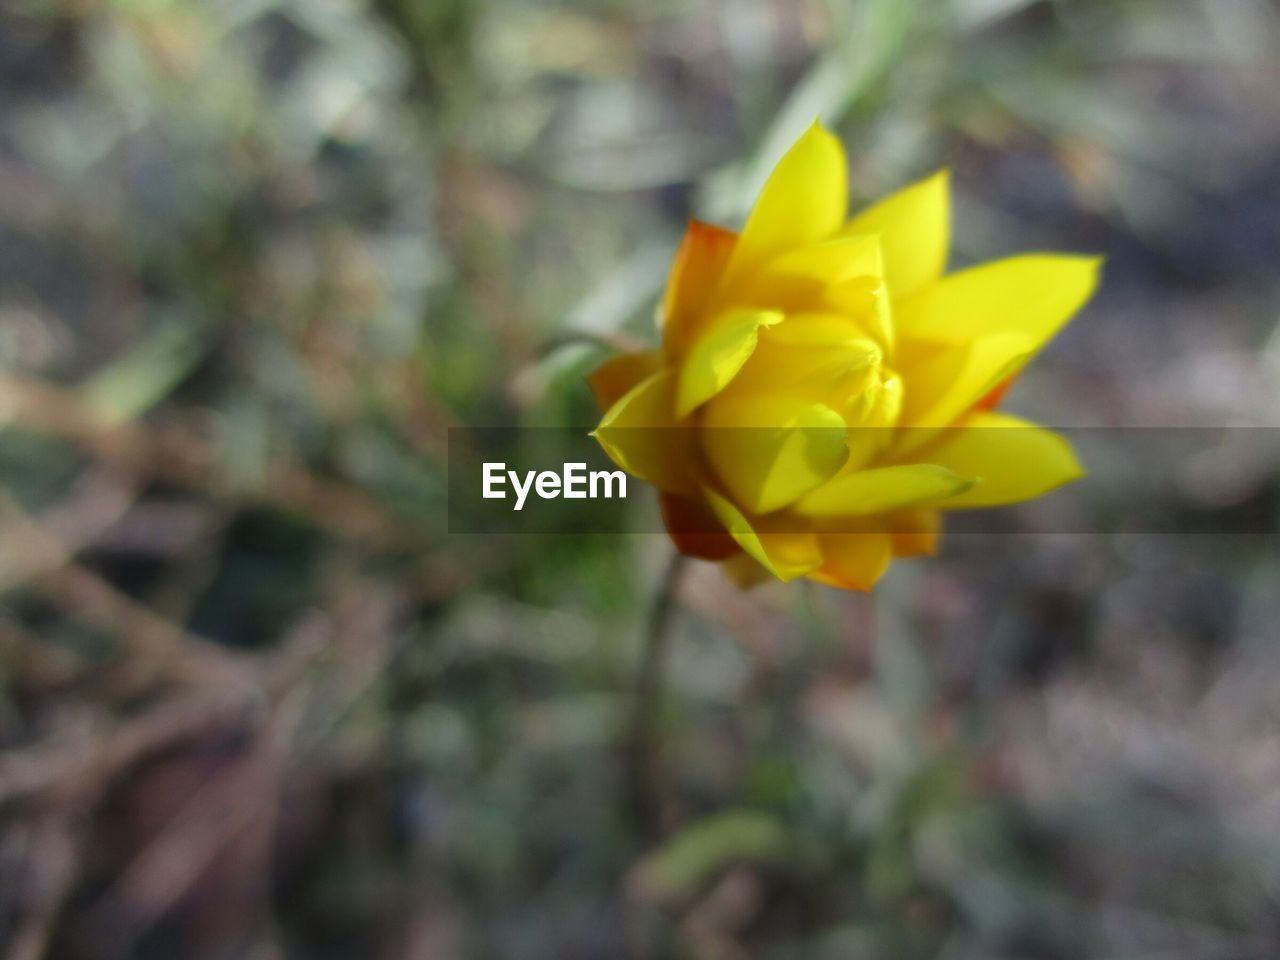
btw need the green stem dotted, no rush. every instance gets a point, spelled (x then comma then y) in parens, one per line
(647, 780)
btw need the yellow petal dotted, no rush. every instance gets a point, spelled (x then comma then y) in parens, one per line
(696, 273)
(853, 561)
(879, 403)
(641, 435)
(617, 375)
(844, 276)
(872, 418)
(1032, 295)
(944, 381)
(864, 493)
(718, 354)
(797, 278)
(820, 357)
(803, 201)
(1012, 460)
(870, 305)
(827, 330)
(769, 450)
(787, 555)
(914, 225)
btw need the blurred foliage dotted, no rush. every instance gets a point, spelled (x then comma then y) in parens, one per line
(256, 258)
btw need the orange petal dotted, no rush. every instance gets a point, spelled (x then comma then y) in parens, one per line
(853, 561)
(992, 399)
(915, 533)
(784, 553)
(613, 378)
(695, 529)
(704, 252)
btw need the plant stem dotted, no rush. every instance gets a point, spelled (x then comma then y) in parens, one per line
(647, 785)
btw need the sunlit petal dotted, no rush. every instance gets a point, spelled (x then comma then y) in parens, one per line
(914, 226)
(770, 450)
(718, 354)
(1032, 295)
(799, 278)
(1012, 460)
(944, 381)
(863, 493)
(786, 555)
(803, 201)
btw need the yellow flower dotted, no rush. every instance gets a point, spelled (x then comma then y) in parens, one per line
(823, 392)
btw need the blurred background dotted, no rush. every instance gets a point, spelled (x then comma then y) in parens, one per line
(257, 256)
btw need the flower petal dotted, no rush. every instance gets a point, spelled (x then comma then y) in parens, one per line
(769, 450)
(864, 493)
(844, 276)
(718, 355)
(995, 396)
(696, 273)
(803, 201)
(853, 561)
(641, 435)
(797, 278)
(820, 357)
(695, 529)
(1012, 459)
(914, 225)
(1031, 295)
(786, 555)
(872, 417)
(828, 330)
(944, 380)
(618, 374)
(871, 305)
(915, 532)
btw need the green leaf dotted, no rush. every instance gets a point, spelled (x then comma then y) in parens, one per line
(692, 857)
(132, 384)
